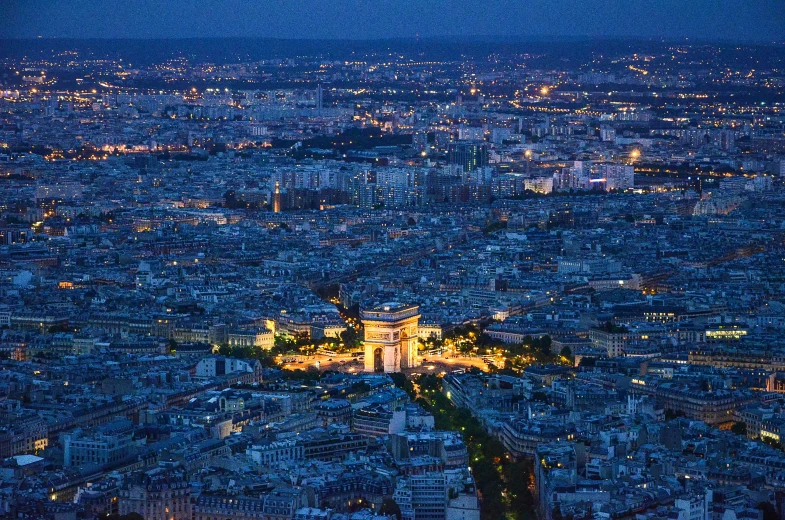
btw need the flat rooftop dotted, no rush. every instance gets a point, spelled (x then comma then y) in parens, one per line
(391, 311)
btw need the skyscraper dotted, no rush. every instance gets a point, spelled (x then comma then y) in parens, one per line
(470, 156)
(277, 198)
(617, 176)
(319, 99)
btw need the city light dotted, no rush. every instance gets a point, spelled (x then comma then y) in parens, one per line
(365, 276)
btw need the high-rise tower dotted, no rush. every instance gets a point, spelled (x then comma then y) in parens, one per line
(319, 99)
(277, 198)
(469, 155)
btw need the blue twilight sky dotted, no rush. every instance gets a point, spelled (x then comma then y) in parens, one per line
(760, 20)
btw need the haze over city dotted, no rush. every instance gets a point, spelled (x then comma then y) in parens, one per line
(760, 20)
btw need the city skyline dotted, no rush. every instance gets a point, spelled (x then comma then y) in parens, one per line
(430, 275)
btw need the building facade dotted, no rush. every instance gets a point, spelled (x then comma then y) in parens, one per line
(390, 337)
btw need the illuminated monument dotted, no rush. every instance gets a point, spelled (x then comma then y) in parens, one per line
(390, 336)
(277, 198)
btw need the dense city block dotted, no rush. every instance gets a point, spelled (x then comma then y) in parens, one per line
(402, 280)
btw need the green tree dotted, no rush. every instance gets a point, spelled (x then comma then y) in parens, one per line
(769, 511)
(390, 507)
(350, 338)
(360, 387)
(242, 352)
(495, 226)
(487, 457)
(429, 382)
(284, 343)
(517, 474)
(540, 396)
(739, 428)
(587, 362)
(671, 414)
(401, 381)
(543, 345)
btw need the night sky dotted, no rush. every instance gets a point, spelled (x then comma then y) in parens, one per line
(759, 20)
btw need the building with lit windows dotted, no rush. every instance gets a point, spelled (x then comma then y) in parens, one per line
(261, 337)
(219, 507)
(612, 340)
(378, 421)
(159, 494)
(521, 437)
(422, 497)
(216, 366)
(716, 407)
(469, 156)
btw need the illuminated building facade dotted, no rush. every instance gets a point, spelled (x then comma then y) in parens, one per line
(157, 495)
(277, 198)
(390, 336)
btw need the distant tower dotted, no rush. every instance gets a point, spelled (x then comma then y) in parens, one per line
(277, 198)
(390, 336)
(632, 404)
(319, 99)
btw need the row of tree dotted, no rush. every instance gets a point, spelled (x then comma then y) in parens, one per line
(502, 483)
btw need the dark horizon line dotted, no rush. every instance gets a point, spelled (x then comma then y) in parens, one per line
(446, 37)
